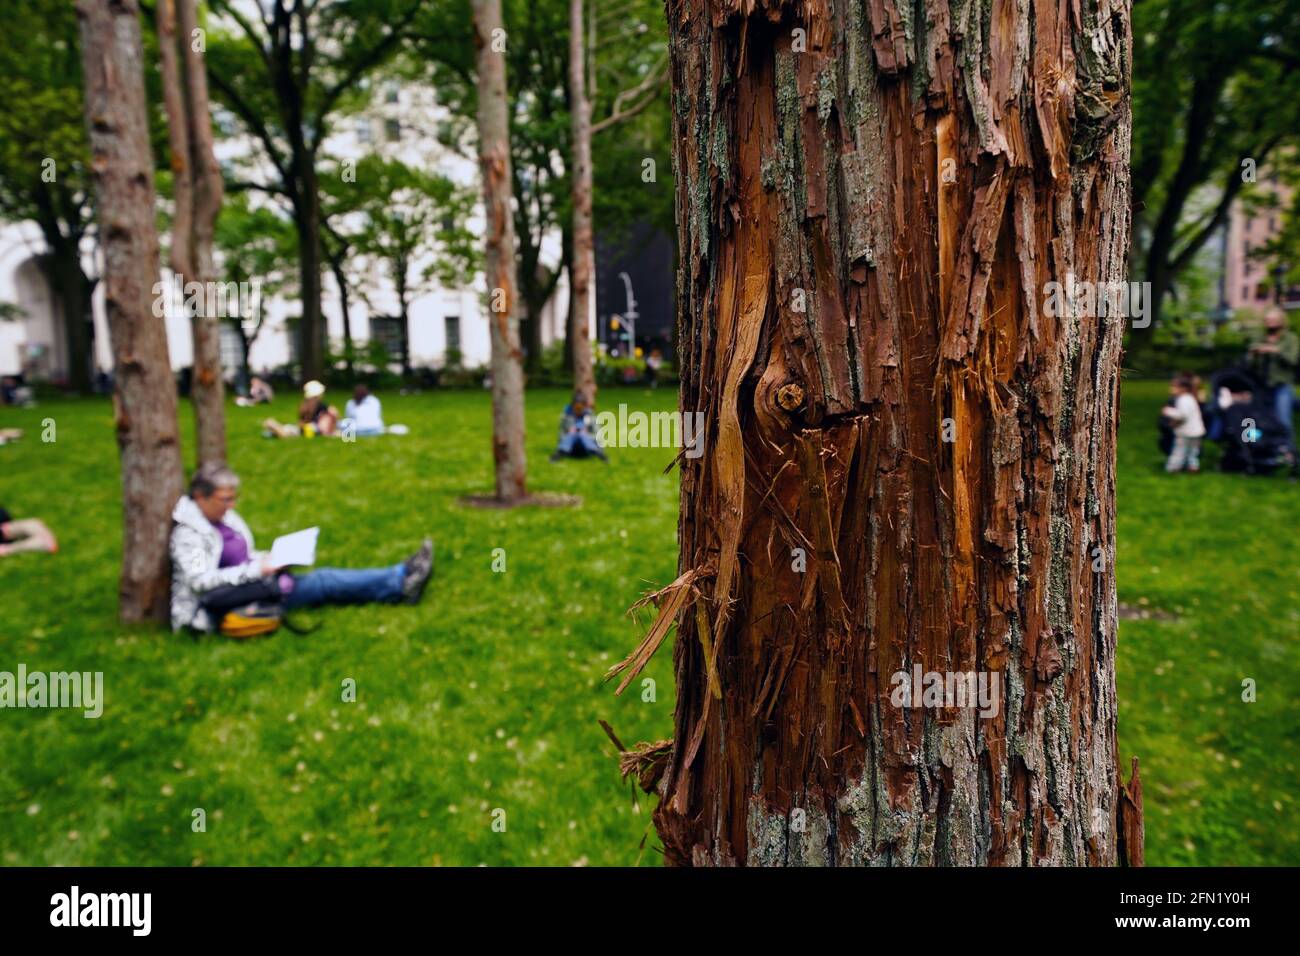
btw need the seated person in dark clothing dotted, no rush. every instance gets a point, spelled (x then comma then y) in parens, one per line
(212, 547)
(315, 416)
(577, 432)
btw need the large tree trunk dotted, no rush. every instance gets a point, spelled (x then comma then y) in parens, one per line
(502, 287)
(198, 190)
(909, 464)
(72, 290)
(69, 285)
(584, 380)
(145, 396)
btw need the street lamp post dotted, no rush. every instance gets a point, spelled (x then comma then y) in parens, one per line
(630, 315)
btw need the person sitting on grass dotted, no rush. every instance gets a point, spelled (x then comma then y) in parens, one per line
(212, 547)
(577, 432)
(259, 393)
(363, 414)
(25, 534)
(1189, 428)
(315, 416)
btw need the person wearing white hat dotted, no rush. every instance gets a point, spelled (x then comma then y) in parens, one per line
(315, 415)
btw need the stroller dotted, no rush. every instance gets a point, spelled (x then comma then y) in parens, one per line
(1243, 423)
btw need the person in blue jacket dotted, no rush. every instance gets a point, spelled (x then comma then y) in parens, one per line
(577, 432)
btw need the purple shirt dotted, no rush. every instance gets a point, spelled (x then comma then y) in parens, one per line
(234, 550)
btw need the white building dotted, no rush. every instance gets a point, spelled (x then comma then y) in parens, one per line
(398, 125)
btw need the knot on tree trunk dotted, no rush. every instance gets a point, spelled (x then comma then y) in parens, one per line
(790, 396)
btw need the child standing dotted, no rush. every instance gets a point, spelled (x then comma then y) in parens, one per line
(1185, 416)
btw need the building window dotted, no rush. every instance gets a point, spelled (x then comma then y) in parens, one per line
(387, 331)
(452, 325)
(392, 130)
(390, 93)
(364, 132)
(231, 347)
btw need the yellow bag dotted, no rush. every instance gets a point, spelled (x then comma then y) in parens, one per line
(239, 626)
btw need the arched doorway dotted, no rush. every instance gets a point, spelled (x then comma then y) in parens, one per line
(44, 350)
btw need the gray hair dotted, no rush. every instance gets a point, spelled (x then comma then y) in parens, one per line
(210, 477)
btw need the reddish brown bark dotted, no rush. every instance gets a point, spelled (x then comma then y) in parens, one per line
(197, 191)
(871, 201)
(499, 266)
(584, 247)
(145, 394)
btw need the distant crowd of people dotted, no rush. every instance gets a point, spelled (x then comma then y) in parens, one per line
(1249, 409)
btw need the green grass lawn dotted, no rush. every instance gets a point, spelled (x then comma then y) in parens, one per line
(487, 695)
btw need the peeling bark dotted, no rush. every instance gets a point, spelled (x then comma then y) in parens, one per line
(145, 394)
(872, 197)
(499, 266)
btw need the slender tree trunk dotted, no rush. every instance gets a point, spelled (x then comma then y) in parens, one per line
(244, 346)
(502, 286)
(405, 324)
(209, 389)
(567, 265)
(340, 280)
(584, 253)
(530, 331)
(908, 460)
(311, 331)
(145, 393)
(198, 191)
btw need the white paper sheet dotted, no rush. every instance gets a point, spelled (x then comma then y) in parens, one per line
(298, 548)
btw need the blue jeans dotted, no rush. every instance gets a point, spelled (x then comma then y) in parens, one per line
(346, 586)
(1283, 403)
(578, 444)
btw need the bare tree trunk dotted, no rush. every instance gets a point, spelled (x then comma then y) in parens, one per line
(311, 354)
(583, 246)
(908, 465)
(340, 280)
(198, 192)
(502, 286)
(145, 397)
(209, 389)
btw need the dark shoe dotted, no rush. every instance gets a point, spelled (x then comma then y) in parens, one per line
(556, 457)
(419, 568)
